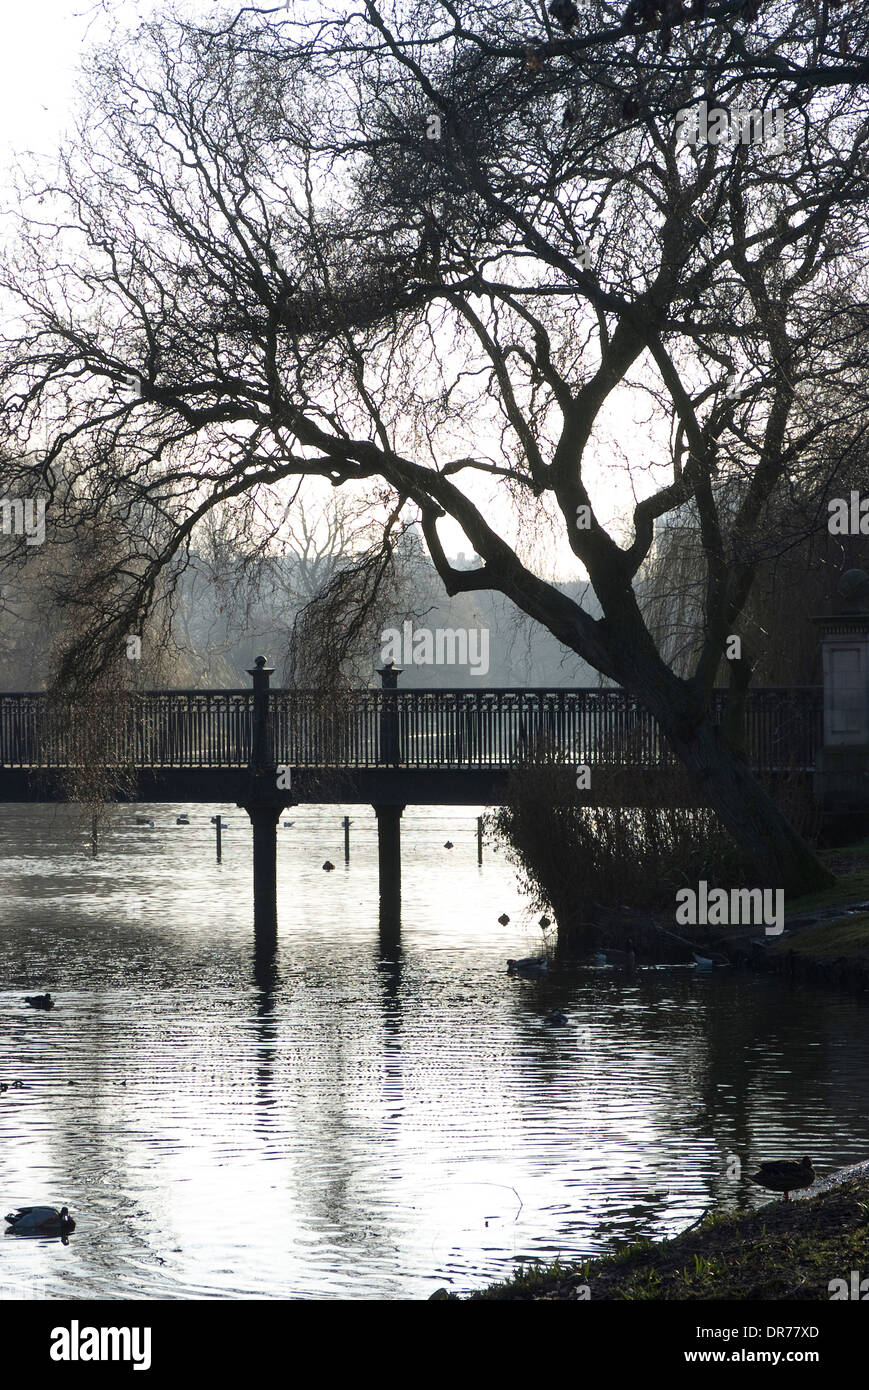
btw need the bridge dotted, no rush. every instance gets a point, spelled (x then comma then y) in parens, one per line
(266, 749)
(444, 747)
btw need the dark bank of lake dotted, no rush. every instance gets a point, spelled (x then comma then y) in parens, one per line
(353, 1120)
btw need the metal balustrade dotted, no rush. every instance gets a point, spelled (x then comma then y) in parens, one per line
(413, 729)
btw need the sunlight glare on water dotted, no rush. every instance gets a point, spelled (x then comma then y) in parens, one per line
(352, 1119)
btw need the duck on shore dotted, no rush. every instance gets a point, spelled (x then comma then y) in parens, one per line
(785, 1175)
(41, 1221)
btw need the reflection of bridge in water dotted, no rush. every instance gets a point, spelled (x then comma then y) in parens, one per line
(266, 749)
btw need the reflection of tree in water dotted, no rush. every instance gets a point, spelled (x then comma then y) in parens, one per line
(361, 1070)
(342, 1077)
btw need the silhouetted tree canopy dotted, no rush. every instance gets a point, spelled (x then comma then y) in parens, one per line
(365, 247)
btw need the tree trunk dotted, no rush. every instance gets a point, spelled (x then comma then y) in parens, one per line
(781, 858)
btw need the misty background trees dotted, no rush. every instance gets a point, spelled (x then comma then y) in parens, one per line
(228, 606)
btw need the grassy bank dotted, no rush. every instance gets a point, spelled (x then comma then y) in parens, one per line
(784, 1250)
(850, 864)
(819, 925)
(842, 936)
(818, 932)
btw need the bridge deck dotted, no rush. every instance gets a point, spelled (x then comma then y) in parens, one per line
(400, 746)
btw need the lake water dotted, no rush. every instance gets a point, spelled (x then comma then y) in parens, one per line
(350, 1119)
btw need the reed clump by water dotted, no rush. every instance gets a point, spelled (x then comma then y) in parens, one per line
(585, 862)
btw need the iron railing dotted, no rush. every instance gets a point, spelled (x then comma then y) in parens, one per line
(424, 729)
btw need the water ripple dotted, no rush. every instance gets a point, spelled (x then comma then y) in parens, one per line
(357, 1120)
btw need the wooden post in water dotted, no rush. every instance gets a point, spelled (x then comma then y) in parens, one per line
(389, 864)
(264, 820)
(218, 826)
(94, 838)
(389, 816)
(479, 839)
(263, 805)
(346, 824)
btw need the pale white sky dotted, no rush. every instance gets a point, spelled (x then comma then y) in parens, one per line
(42, 46)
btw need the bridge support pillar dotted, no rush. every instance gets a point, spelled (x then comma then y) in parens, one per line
(389, 863)
(264, 820)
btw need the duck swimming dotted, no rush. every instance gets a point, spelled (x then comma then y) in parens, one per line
(528, 966)
(41, 1221)
(617, 957)
(556, 1019)
(784, 1176)
(708, 962)
(39, 1001)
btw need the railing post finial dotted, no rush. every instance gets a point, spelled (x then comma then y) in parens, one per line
(260, 752)
(390, 738)
(261, 673)
(389, 675)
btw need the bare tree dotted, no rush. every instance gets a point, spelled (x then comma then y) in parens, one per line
(799, 565)
(443, 248)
